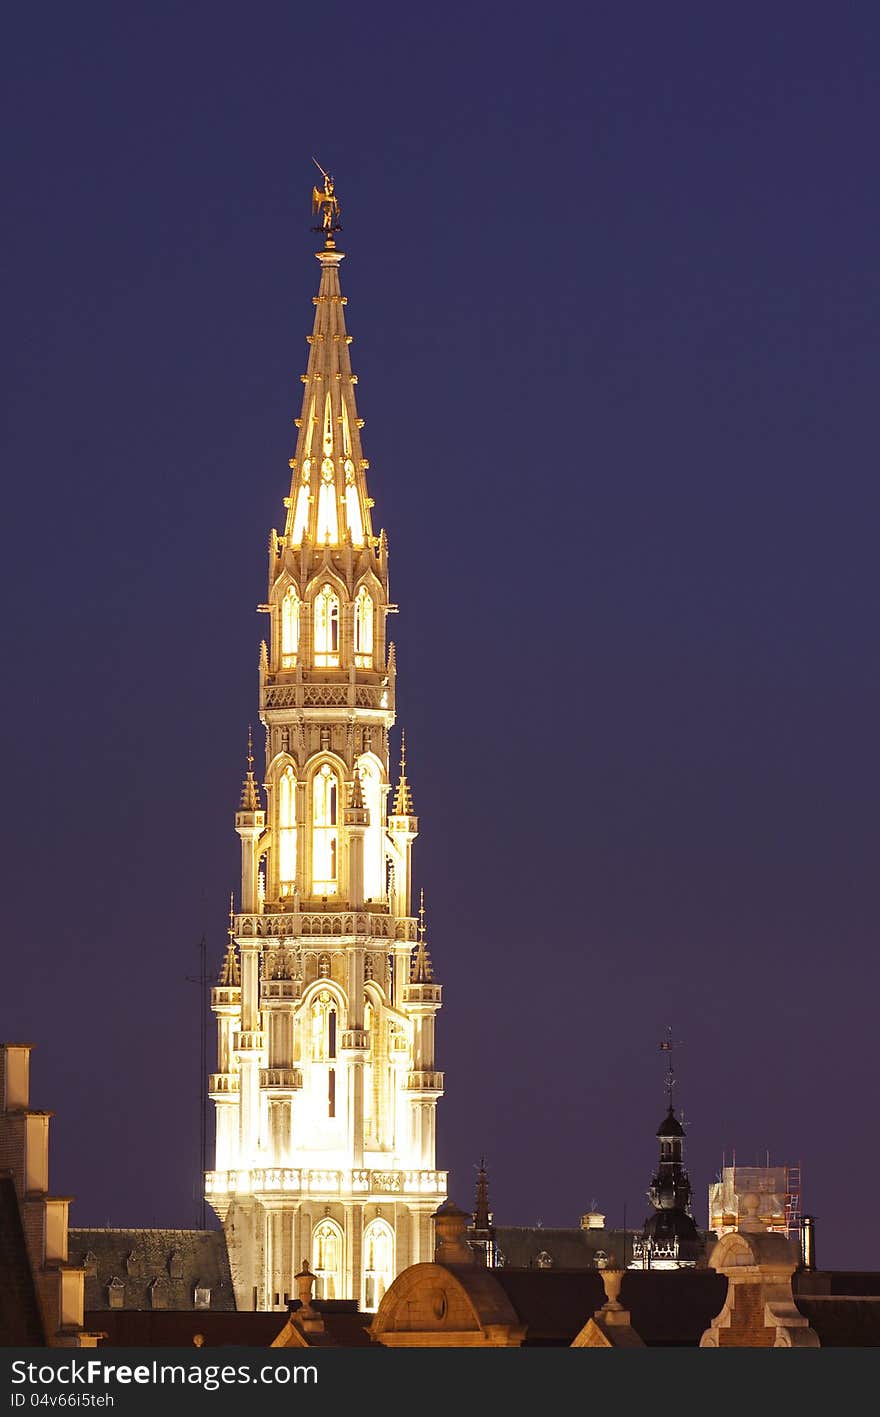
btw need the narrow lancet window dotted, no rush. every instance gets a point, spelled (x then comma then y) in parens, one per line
(325, 832)
(374, 851)
(328, 523)
(353, 510)
(287, 832)
(327, 1262)
(301, 513)
(323, 1028)
(289, 628)
(327, 628)
(363, 629)
(378, 1262)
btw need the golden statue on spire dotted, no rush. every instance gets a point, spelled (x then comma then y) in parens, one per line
(326, 203)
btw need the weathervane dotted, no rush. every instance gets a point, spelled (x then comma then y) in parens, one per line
(666, 1047)
(327, 204)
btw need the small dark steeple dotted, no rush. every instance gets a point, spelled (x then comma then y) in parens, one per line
(482, 1233)
(669, 1238)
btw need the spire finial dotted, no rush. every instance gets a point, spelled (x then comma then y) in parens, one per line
(666, 1046)
(250, 793)
(326, 203)
(403, 802)
(230, 974)
(421, 971)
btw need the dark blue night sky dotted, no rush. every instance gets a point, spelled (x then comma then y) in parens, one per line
(613, 285)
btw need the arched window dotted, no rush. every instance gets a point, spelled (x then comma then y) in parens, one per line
(327, 1259)
(374, 836)
(289, 628)
(326, 618)
(363, 629)
(323, 1028)
(301, 513)
(353, 506)
(378, 1262)
(287, 832)
(325, 831)
(328, 523)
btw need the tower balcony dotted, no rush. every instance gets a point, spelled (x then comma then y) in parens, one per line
(249, 1041)
(280, 1080)
(276, 993)
(223, 1086)
(317, 925)
(430, 1082)
(425, 994)
(356, 1040)
(325, 1185)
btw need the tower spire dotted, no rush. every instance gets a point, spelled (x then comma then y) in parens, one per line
(230, 974)
(403, 802)
(482, 1232)
(250, 793)
(422, 971)
(328, 503)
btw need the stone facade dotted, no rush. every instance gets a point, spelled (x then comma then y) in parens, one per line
(326, 1084)
(57, 1283)
(759, 1310)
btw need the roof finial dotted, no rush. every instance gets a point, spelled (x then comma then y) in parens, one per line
(327, 203)
(231, 927)
(250, 793)
(422, 913)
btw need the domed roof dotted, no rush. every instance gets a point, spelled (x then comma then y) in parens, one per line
(670, 1126)
(668, 1224)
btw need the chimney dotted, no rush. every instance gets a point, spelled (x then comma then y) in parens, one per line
(808, 1243)
(450, 1240)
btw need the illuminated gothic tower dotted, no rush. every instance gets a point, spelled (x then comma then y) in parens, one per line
(326, 1087)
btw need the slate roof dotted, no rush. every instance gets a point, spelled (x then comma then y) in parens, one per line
(21, 1324)
(158, 1268)
(669, 1308)
(345, 1327)
(569, 1247)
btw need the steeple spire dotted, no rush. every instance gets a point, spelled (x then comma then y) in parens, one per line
(230, 974)
(481, 1209)
(328, 503)
(403, 802)
(482, 1232)
(422, 971)
(250, 793)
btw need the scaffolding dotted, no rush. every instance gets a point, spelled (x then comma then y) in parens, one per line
(793, 1202)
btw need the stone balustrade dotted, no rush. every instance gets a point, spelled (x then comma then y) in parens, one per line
(324, 1184)
(320, 925)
